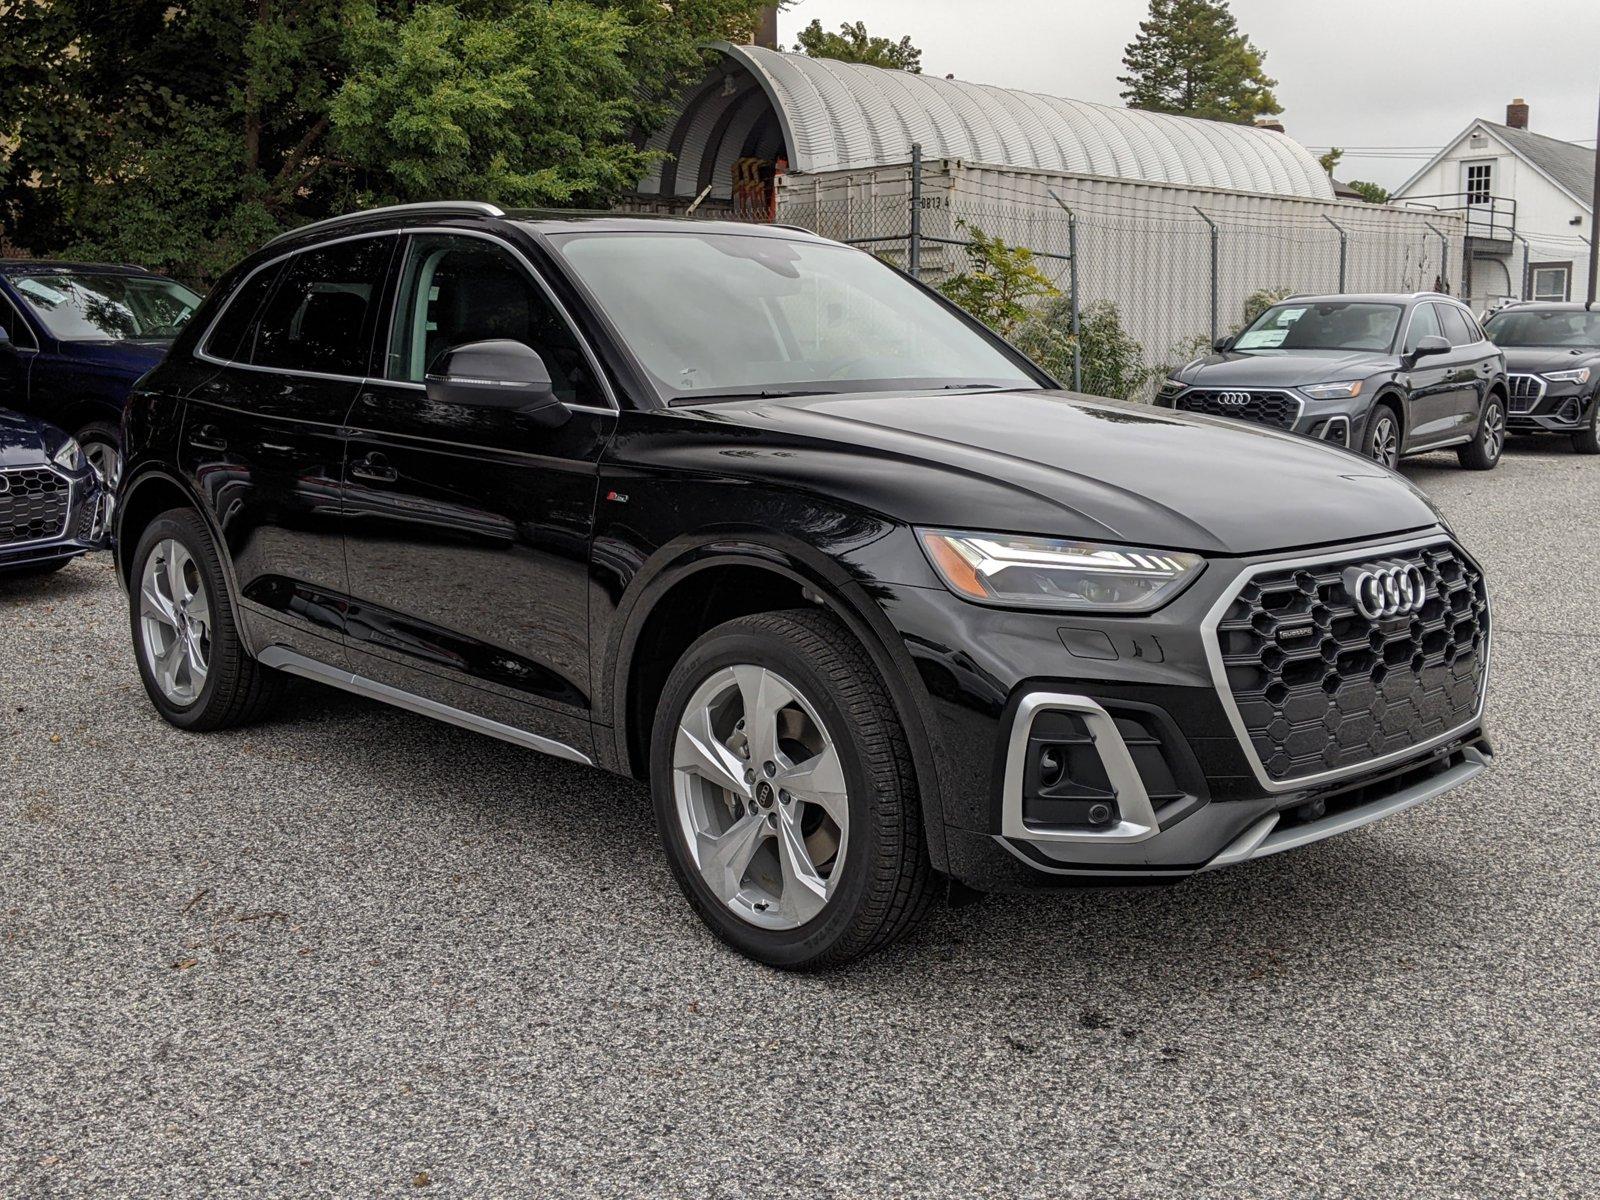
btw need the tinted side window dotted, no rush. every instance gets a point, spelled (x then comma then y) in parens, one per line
(1454, 325)
(233, 336)
(319, 317)
(16, 328)
(455, 290)
(1423, 324)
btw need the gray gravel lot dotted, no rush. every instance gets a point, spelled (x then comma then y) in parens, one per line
(354, 952)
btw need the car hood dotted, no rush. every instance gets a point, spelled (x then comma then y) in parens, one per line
(1539, 360)
(1058, 463)
(1284, 370)
(128, 358)
(25, 442)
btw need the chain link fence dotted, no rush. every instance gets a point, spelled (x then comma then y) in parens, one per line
(1129, 290)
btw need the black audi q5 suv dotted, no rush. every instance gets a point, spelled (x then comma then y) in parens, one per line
(873, 605)
(1383, 375)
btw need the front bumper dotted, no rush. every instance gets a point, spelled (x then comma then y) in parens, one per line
(1538, 406)
(1142, 706)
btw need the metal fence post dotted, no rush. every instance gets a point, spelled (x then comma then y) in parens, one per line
(1072, 289)
(1214, 256)
(1444, 257)
(914, 251)
(1527, 266)
(1343, 245)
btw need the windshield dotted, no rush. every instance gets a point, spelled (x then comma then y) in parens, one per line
(718, 314)
(1556, 327)
(97, 307)
(1338, 325)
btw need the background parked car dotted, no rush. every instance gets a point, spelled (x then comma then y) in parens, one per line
(52, 506)
(1386, 375)
(1553, 357)
(75, 338)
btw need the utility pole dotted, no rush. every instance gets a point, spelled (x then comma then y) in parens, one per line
(1594, 221)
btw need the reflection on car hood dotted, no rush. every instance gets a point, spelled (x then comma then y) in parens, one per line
(1541, 360)
(132, 358)
(1285, 370)
(25, 442)
(1058, 463)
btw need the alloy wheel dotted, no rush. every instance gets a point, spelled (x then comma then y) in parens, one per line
(761, 799)
(106, 460)
(175, 622)
(1494, 432)
(1385, 443)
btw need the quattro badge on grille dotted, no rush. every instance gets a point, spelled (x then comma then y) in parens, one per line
(1386, 589)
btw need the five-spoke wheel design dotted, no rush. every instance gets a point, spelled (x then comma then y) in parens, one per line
(1494, 431)
(175, 622)
(1383, 444)
(761, 797)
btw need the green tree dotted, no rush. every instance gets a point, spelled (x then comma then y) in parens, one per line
(1329, 162)
(998, 283)
(182, 135)
(853, 44)
(1191, 59)
(1372, 193)
(1110, 358)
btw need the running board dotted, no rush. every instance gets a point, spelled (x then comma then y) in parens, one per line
(291, 663)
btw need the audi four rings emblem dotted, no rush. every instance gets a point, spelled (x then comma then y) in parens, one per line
(1386, 589)
(5, 485)
(1233, 399)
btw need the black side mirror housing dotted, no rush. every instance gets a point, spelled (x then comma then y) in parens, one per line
(501, 374)
(1430, 345)
(1223, 344)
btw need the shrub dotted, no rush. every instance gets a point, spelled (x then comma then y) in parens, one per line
(1112, 360)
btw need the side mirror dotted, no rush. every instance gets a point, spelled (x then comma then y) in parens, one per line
(1432, 344)
(499, 374)
(1223, 344)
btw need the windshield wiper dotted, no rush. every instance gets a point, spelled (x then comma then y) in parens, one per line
(751, 394)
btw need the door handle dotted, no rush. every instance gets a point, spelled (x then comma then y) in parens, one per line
(374, 467)
(208, 437)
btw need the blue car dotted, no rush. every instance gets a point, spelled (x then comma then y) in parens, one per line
(74, 337)
(52, 505)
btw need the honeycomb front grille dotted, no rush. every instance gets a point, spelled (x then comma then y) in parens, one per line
(33, 505)
(1278, 409)
(1320, 687)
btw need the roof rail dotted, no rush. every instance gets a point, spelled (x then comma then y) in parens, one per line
(443, 208)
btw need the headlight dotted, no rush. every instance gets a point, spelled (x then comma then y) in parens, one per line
(69, 455)
(1581, 375)
(1333, 391)
(1171, 387)
(1035, 572)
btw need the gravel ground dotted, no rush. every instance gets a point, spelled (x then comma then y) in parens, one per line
(354, 952)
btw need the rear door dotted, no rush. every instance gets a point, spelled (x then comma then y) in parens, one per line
(468, 529)
(1472, 364)
(262, 439)
(1433, 403)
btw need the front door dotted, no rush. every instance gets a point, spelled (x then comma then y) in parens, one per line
(263, 441)
(467, 530)
(1433, 404)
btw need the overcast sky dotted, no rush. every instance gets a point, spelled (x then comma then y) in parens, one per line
(1353, 73)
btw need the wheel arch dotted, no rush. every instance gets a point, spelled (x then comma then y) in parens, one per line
(696, 583)
(144, 498)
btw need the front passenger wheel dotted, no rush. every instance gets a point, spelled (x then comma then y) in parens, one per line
(1383, 437)
(1483, 452)
(1587, 439)
(785, 795)
(191, 657)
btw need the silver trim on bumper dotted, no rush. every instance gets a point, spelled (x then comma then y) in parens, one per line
(1219, 674)
(1264, 838)
(1138, 818)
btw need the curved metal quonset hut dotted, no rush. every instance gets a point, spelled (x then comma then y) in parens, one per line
(820, 116)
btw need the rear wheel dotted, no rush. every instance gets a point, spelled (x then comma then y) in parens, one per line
(784, 792)
(191, 657)
(1483, 452)
(1587, 439)
(1382, 442)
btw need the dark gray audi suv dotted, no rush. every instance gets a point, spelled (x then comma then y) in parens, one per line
(874, 606)
(1384, 375)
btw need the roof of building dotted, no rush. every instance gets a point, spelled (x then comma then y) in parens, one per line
(1569, 166)
(837, 115)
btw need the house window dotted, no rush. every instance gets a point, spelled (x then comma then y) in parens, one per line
(1479, 176)
(1552, 281)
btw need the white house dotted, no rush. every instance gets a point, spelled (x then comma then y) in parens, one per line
(1528, 200)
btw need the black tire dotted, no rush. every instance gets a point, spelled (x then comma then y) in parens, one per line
(889, 882)
(1378, 445)
(101, 434)
(237, 689)
(1587, 439)
(1488, 442)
